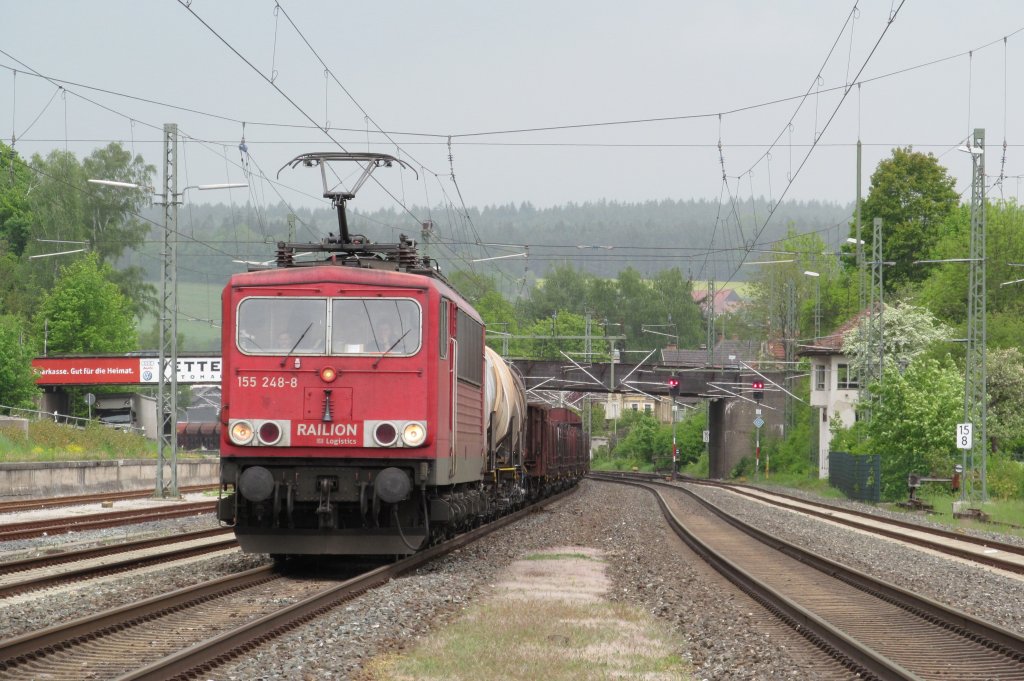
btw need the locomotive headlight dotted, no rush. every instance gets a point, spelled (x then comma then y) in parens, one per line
(414, 434)
(241, 432)
(328, 374)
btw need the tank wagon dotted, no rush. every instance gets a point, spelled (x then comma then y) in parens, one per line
(362, 412)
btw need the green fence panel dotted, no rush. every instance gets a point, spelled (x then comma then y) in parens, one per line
(859, 476)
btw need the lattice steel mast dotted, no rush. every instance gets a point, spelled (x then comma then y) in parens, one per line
(975, 370)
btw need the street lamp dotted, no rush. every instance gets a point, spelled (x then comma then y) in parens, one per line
(817, 302)
(167, 398)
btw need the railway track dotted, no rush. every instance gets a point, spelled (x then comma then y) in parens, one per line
(32, 574)
(83, 499)
(1002, 555)
(192, 630)
(876, 629)
(93, 521)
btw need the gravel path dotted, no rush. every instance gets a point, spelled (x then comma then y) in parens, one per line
(728, 638)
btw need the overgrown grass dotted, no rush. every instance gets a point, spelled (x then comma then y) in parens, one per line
(800, 481)
(617, 464)
(48, 441)
(1009, 512)
(548, 639)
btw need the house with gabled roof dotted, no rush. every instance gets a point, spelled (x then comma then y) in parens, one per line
(835, 386)
(726, 300)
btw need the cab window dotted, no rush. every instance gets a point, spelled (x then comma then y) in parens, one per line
(281, 325)
(370, 326)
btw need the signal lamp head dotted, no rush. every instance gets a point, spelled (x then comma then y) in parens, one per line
(328, 374)
(270, 433)
(758, 388)
(241, 432)
(385, 434)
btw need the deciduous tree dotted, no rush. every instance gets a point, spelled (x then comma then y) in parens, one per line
(85, 312)
(913, 422)
(15, 211)
(17, 380)
(913, 194)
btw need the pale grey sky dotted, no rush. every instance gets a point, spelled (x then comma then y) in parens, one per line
(455, 68)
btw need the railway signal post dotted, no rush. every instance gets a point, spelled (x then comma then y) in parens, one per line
(673, 391)
(758, 388)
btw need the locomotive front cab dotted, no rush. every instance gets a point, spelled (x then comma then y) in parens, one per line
(329, 419)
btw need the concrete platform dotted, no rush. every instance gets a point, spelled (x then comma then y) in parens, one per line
(65, 478)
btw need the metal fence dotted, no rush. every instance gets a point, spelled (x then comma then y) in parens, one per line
(859, 476)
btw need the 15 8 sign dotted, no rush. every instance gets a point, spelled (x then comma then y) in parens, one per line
(964, 436)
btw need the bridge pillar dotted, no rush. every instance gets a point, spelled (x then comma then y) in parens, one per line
(732, 431)
(54, 400)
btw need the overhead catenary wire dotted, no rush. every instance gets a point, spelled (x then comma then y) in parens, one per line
(459, 136)
(828, 122)
(288, 98)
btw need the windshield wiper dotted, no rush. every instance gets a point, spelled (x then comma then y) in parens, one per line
(393, 345)
(285, 358)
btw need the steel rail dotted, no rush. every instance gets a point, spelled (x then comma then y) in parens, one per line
(82, 499)
(124, 565)
(92, 521)
(34, 646)
(969, 628)
(827, 511)
(863, 661)
(216, 651)
(25, 564)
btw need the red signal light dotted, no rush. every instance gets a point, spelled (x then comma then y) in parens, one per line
(673, 386)
(757, 385)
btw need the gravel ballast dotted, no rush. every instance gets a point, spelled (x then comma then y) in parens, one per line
(727, 636)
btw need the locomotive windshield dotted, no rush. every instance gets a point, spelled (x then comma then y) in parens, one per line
(318, 326)
(375, 325)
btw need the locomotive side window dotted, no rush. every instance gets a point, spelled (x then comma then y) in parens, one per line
(361, 326)
(442, 329)
(282, 325)
(470, 335)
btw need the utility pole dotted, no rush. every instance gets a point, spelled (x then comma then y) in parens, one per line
(167, 381)
(975, 370)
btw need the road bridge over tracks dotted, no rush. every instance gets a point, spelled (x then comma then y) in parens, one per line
(729, 391)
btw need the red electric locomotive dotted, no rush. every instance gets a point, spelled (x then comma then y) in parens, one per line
(359, 413)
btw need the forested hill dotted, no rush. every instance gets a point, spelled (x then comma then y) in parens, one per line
(581, 229)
